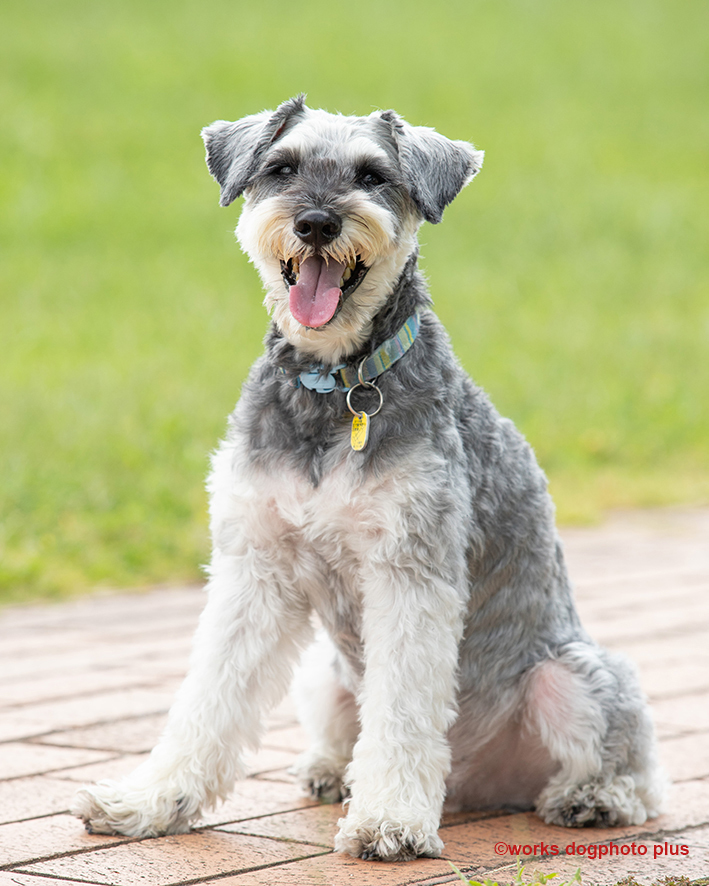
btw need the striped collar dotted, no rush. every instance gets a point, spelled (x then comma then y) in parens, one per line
(344, 377)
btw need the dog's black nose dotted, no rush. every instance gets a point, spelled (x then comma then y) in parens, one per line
(316, 227)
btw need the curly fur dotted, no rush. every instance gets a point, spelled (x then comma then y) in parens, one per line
(452, 666)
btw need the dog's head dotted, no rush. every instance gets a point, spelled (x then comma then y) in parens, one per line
(332, 208)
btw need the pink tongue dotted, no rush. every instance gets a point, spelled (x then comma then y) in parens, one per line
(314, 298)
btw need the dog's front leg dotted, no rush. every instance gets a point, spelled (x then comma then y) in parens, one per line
(248, 635)
(412, 625)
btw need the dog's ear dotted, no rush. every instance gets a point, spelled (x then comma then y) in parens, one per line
(435, 168)
(235, 149)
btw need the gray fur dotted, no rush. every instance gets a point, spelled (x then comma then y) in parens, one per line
(435, 168)
(520, 609)
(234, 149)
(304, 427)
(456, 664)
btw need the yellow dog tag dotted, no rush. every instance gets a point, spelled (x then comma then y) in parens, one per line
(360, 431)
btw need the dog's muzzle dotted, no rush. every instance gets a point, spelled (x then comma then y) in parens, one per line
(318, 286)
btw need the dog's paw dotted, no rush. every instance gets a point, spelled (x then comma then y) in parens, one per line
(599, 804)
(321, 778)
(386, 841)
(110, 807)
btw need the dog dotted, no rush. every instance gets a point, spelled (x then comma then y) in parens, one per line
(365, 479)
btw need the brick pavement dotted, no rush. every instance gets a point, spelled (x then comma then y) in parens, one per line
(84, 687)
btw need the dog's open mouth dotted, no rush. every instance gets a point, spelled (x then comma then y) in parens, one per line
(318, 286)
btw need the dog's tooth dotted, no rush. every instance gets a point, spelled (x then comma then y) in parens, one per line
(347, 274)
(351, 264)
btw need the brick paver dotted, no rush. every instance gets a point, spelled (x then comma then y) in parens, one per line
(85, 687)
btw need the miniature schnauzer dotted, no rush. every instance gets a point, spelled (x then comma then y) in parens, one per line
(367, 480)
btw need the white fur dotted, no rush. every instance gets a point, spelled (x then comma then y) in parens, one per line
(265, 233)
(257, 620)
(328, 711)
(386, 557)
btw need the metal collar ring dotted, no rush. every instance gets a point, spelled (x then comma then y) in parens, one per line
(364, 385)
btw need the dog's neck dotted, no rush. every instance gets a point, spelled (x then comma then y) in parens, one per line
(408, 294)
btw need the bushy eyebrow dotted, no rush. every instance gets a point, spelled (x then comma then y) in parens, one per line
(388, 171)
(374, 163)
(282, 157)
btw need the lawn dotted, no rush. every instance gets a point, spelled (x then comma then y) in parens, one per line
(572, 274)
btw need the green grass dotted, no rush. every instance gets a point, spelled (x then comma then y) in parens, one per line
(572, 274)
(541, 879)
(538, 878)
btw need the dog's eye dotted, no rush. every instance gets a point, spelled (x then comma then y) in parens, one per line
(369, 178)
(283, 170)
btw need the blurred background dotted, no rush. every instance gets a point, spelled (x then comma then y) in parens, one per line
(572, 274)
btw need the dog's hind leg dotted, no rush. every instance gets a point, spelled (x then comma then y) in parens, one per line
(328, 711)
(251, 631)
(590, 714)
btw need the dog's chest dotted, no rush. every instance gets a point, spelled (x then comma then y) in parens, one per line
(278, 510)
(313, 538)
(331, 518)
